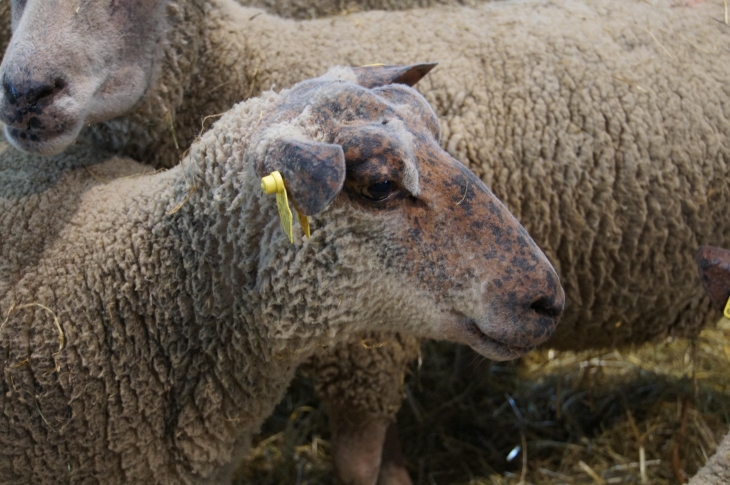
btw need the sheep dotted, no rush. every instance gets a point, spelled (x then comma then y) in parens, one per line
(580, 129)
(202, 37)
(162, 321)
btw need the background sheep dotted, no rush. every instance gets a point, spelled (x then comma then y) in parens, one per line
(536, 115)
(162, 323)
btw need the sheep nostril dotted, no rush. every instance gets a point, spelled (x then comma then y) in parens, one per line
(45, 91)
(547, 307)
(29, 92)
(10, 91)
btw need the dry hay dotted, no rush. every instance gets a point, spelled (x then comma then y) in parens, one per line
(651, 415)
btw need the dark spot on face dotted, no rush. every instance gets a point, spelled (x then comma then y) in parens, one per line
(23, 136)
(35, 124)
(491, 254)
(521, 263)
(511, 302)
(34, 137)
(552, 282)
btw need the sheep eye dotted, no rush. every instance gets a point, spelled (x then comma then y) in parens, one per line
(379, 191)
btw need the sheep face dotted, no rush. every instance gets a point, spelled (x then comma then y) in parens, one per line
(411, 228)
(94, 64)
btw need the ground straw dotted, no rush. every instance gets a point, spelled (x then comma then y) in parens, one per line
(650, 415)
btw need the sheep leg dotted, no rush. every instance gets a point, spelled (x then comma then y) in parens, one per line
(366, 449)
(357, 445)
(361, 383)
(392, 464)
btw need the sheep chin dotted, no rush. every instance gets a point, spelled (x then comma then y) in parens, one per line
(490, 347)
(40, 143)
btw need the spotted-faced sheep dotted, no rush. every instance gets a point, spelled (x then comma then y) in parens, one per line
(583, 130)
(161, 323)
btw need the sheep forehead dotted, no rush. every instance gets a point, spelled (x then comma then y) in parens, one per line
(389, 142)
(411, 106)
(348, 102)
(336, 100)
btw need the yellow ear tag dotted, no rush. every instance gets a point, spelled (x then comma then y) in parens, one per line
(274, 184)
(304, 222)
(726, 312)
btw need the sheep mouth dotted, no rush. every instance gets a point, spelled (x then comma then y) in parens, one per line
(40, 141)
(491, 347)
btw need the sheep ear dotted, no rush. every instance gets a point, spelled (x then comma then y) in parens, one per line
(376, 76)
(714, 266)
(313, 172)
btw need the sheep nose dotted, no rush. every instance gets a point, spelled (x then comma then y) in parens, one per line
(548, 306)
(29, 92)
(541, 312)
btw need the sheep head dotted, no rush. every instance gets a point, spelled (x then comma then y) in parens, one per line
(714, 267)
(466, 270)
(75, 62)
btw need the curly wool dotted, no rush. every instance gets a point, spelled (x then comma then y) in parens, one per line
(152, 398)
(311, 9)
(347, 373)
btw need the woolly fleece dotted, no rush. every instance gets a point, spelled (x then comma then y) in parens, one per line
(311, 9)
